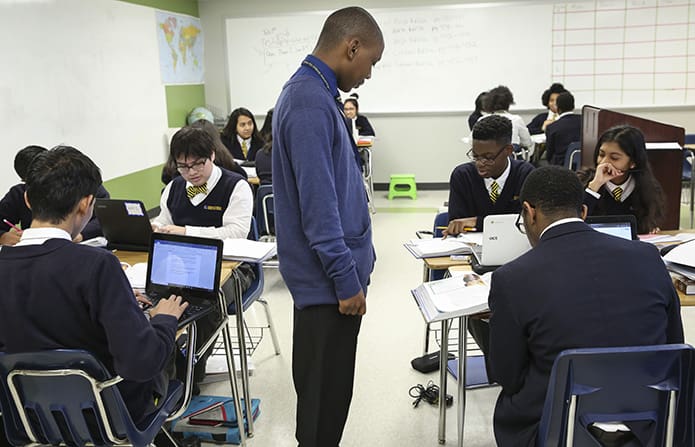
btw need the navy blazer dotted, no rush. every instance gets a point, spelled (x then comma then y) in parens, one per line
(232, 144)
(577, 288)
(559, 134)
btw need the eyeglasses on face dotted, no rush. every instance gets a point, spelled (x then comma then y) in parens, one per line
(519, 224)
(485, 160)
(196, 166)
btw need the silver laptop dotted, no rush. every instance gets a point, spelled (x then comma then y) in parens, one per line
(502, 242)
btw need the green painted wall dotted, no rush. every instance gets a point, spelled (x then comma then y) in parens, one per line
(145, 185)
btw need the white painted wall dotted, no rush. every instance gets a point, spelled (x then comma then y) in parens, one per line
(427, 145)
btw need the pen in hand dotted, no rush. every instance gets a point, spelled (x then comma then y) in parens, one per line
(19, 230)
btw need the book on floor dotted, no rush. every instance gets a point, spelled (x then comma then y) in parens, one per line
(453, 297)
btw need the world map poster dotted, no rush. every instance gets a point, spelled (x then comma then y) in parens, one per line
(180, 40)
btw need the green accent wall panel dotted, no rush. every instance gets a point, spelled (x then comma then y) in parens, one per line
(189, 7)
(181, 99)
(145, 185)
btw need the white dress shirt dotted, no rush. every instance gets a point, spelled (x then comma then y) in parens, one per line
(628, 187)
(501, 180)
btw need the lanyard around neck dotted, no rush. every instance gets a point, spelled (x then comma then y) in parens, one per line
(323, 78)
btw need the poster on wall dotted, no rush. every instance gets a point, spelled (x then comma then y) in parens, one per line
(180, 39)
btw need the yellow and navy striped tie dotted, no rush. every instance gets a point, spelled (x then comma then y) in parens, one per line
(192, 191)
(494, 191)
(244, 148)
(618, 193)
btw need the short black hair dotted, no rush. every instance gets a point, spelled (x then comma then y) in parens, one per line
(555, 87)
(493, 127)
(57, 180)
(347, 23)
(191, 141)
(555, 191)
(564, 102)
(24, 158)
(497, 99)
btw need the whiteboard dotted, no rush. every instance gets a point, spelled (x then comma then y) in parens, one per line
(83, 73)
(614, 53)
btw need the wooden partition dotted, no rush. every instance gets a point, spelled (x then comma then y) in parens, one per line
(666, 164)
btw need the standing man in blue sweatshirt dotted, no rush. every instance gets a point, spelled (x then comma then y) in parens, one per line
(322, 221)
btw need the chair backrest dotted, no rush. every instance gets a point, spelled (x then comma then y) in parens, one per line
(264, 210)
(626, 384)
(441, 220)
(687, 165)
(68, 396)
(572, 155)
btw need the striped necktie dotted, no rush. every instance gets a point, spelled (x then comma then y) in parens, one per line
(494, 191)
(618, 193)
(193, 191)
(244, 148)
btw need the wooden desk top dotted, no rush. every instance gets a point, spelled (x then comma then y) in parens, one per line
(443, 263)
(134, 257)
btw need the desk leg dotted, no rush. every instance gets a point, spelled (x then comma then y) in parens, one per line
(463, 329)
(231, 368)
(443, 356)
(243, 358)
(190, 362)
(426, 278)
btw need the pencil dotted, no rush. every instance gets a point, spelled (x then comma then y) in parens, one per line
(467, 229)
(19, 230)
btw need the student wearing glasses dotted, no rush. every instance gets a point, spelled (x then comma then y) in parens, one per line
(206, 201)
(490, 183)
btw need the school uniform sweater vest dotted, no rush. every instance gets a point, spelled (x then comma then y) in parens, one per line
(207, 213)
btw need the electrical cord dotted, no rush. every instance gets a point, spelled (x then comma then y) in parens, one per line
(429, 394)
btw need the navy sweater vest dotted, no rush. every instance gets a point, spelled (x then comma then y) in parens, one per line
(207, 213)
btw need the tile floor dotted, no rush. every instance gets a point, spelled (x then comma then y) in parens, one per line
(392, 334)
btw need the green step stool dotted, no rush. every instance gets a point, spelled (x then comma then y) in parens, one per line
(402, 185)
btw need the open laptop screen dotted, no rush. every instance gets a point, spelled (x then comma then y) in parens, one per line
(183, 265)
(620, 226)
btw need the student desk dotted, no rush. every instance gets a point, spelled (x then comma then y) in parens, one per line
(228, 272)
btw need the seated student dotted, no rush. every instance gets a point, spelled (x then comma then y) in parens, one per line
(206, 201)
(489, 184)
(359, 123)
(14, 209)
(241, 136)
(539, 123)
(223, 158)
(567, 128)
(576, 288)
(264, 168)
(497, 101)
(57, 294)
(478, 112)
(623, 182)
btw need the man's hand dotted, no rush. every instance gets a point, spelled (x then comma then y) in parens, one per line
(9, 238)
(462, 225)
(355, 305)
(174, 306)
(170, 229)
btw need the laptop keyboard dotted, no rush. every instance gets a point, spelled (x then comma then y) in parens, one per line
(190, 310)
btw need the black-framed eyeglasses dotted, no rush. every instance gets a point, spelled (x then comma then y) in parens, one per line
(485, 160)
(519, 224)
(196, 166)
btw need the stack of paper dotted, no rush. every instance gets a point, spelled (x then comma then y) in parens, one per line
(137, 275)
(248, 251)
(436, 247)
(453, 297)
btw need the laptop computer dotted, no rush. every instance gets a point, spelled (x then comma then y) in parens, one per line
(620, 226)
(124, 223)
(502, 242)
(186, 266)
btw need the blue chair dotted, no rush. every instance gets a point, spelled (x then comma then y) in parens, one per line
(687, 180)
(627, 384)
(573, 155)
(68, 397)
(264, 212)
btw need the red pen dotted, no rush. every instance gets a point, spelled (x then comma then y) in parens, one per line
(19, 230)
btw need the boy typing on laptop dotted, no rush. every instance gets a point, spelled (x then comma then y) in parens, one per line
(490, 183)
(63, 295)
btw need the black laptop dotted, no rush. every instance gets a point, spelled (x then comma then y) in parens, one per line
(186, 266)
(624, 226)
(124, 223)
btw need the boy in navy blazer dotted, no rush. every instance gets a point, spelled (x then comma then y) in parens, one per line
(490, 183)
(563, 131)
(577, 288)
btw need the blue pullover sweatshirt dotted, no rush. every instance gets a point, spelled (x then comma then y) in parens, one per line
(322, 221)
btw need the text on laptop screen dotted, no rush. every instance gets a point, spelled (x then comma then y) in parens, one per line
(185, 265)
(619, 229)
